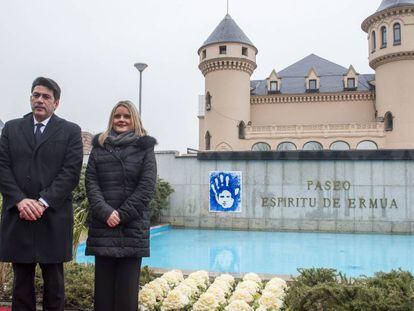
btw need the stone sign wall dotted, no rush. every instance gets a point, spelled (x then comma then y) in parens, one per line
(310, 195)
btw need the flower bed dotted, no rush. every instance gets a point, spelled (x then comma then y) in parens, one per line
(172, 292)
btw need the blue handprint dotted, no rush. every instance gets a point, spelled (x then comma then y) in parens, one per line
(224, 191)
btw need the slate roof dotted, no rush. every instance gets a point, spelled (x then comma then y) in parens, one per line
(293, 77)
(386, 4)
(227, 31)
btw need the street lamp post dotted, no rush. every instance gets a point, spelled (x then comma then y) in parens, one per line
(141, 67)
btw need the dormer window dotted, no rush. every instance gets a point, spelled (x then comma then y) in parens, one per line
(312, 82)
(351, 83)
(313, 85)
(397, 33)
(273, 86)
(245, 51)
(383, 37)
(273, 83)
(351, 79)
(204, 54)
(223, 49)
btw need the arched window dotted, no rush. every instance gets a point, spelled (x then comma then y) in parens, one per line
(208, 101)
(367, 145)
(286, 146)
(208, 140)
(339, 145)
(397, 33)
(383, 37)
(261, 147)
(388, 122)
(242, 132)
(312, 145)
(373, 42)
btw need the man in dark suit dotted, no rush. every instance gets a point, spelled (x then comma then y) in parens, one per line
(40, 163)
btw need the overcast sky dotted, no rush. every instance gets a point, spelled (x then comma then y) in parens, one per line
(89, 47)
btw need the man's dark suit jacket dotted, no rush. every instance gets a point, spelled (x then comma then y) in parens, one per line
(49, 170)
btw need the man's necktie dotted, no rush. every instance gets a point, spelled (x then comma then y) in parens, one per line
(38, 132)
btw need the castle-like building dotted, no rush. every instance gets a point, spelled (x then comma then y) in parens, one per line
(313, 104)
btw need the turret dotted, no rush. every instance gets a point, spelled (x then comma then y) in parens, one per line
(227, 60)
(391, 54)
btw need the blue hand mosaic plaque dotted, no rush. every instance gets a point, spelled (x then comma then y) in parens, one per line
(225, 191)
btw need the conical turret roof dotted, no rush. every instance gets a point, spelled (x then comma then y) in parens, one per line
(227, 31)
(386, 4)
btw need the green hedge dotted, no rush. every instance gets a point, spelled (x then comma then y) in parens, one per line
(328, 290)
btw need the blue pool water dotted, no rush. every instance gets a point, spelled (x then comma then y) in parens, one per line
(276, 252)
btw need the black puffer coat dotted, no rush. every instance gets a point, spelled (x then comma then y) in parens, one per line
(123, 179)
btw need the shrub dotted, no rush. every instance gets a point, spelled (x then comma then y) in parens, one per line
(326, 290)
(160, 201)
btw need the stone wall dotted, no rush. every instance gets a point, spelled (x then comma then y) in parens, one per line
(309, 195)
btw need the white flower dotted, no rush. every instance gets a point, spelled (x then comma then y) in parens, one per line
(184, 289)
(261, 308)
(147, 299)
(277, 290)
(201, 278)
(207, 302)
(242, 294)
(223, 285)
(218, 293)
(251, 286)
(277, 281)
(227, 278)
(175, 300)
(252, 277)
(270, 301)
(173, 277)
(162, 284)
(192, 284)
(238, 305)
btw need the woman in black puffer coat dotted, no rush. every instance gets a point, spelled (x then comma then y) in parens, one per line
(120, 183)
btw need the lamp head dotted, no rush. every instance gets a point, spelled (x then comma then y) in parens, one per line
(140, 66)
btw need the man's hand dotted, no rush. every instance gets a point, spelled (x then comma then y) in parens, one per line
(30, 209)
(113, 220)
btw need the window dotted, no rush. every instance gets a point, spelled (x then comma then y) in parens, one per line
(367, 145)
(261, 147)
(339, 145)
(245, 51)
(373, 42)
(388, 122)
(397, 33)
(286, 146)
(242, 127)
(383, 37)
(204, 54)
(223, 49)
(312, 145)
(313, 85)
(208, 140)
(208, 101)
(273, 86)
(351, 84)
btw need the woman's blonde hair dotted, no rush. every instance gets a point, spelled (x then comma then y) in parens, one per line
(135, 120)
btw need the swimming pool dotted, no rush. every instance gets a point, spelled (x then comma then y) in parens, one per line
(276, 252)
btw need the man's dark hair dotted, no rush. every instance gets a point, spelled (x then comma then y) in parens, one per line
(50, 84)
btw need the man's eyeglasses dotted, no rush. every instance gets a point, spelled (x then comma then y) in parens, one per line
(44, 96)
